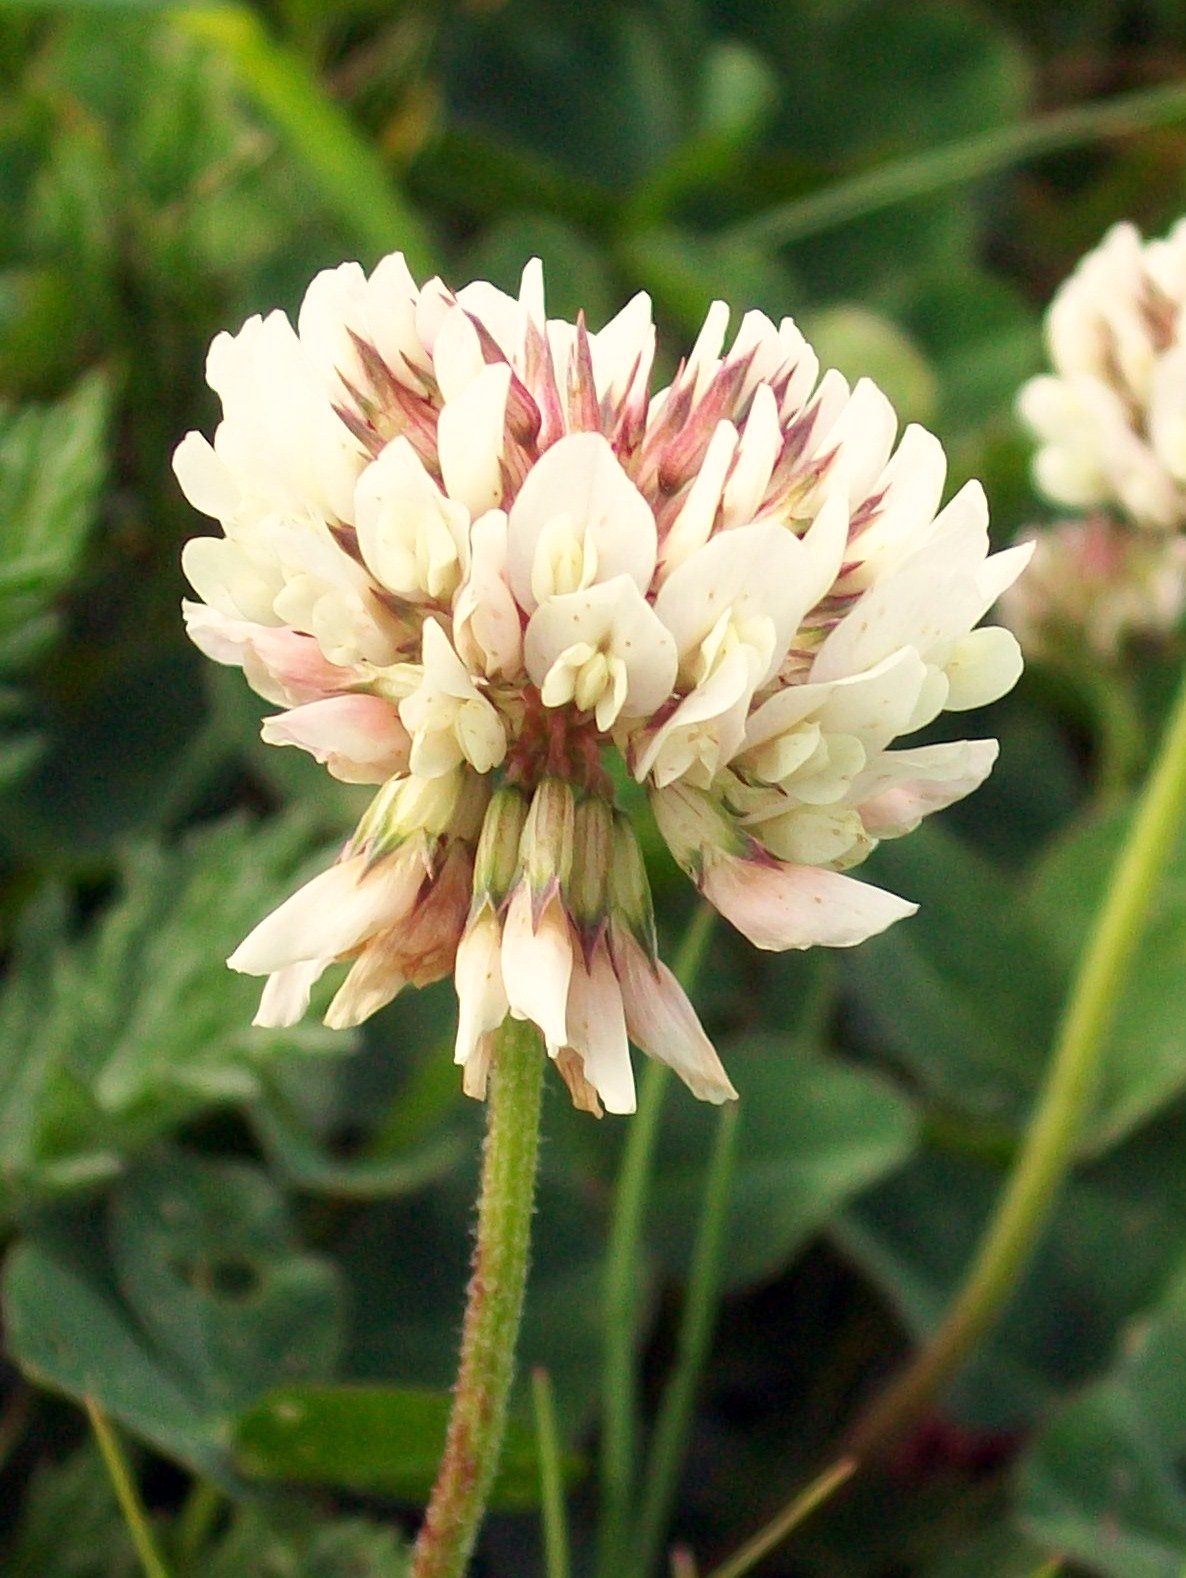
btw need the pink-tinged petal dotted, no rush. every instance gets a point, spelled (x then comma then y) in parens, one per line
(280, 664)
(692, 527)
(335, 912)
(285, 997)
(623, 350)
(662, 1022)
(901, 787)
(421, 949)
(578, 489)
(359, 738)
(481, 997)
(779, 906)
(537, 964)
(597, 1030)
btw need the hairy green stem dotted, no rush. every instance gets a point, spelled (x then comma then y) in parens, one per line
(974, 157)
(666, 1457)
(1049, 1144)
(494, 1305)
(126, 1493)
(620, 1315)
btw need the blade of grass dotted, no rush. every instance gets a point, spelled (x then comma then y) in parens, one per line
(126, 1493)
(351, 177)
(622, 1276)
(551, 1477)
(975, 157)
(787, 1521)
(666, 1456)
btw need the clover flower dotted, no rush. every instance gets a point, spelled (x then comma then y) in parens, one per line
(473, 556)
(1111, 420)
(1098, 583)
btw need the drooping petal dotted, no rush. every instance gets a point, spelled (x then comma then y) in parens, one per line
(597, 1030)
(662, 1022)
(537, 964)
(901, 787)
(779, 906)
(359, 738)
(332, 914)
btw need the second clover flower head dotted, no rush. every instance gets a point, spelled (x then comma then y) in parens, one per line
(472, 553)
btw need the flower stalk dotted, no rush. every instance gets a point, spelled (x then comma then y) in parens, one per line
(494, 1306)
(1049, 1146)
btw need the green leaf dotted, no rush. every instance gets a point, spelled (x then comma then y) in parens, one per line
(343, 164)
(1115, 1236)
(194, 1301)
(1144, 1065)
(942, 991)
(71, 1525)
(812, 1133)
(1103, 1482)
(294, 1540)
(112, 1039)
(370, 1438)
(862, 344)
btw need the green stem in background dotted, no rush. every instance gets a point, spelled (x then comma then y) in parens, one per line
(665, 1459)
(125, 1492)
(969, 160)
(197, 1517)
(1049, 1144)
(494, 1305)
(783, 1525)
(551, 1477)
(354, 184)
(623, 1265)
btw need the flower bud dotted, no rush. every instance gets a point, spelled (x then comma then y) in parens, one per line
(496, 864)
(586, 892)
(629, 887)
(545, 849)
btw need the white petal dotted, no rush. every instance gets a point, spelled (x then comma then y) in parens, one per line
(597, 1030)
(470, 438)
(579, 481)
(481, 996)
(537, 966)
(613, 619)
(983, 666)
(901, 787)
(286, 994)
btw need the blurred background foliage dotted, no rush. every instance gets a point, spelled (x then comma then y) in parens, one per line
(211, 1230)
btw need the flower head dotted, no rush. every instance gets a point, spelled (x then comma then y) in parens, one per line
(1111, 419)
(471, 553)
(1098, 583)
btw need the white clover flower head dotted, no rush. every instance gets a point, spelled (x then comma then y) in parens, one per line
(472, 554)
(1096, 583)
(1110, 419)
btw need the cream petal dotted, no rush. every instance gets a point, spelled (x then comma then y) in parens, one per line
(597, 1030)
(613, 619)
(537, 964)
(471, 432)
(579, 481)
(481, 996)
(285, 998)
(984, 665)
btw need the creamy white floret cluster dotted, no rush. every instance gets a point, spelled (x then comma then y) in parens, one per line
(470, 554)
